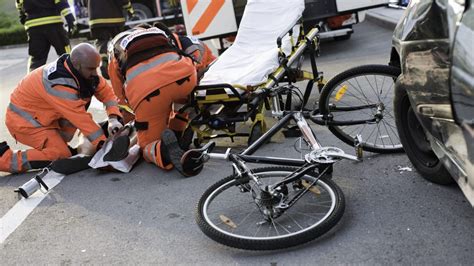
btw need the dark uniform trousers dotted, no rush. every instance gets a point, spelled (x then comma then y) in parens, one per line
(104, 35)
(41, 38)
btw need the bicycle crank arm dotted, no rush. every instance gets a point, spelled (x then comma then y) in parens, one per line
(328, 155)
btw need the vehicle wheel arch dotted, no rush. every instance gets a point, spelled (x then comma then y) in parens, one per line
(395, 58)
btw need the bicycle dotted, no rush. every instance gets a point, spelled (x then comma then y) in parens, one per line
(284, 205)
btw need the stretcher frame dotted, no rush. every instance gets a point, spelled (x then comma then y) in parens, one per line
(206, 126)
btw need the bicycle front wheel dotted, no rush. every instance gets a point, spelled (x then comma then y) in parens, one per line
(230, 213)
(359, 101)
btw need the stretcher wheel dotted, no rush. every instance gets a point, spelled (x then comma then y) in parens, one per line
(255, 133)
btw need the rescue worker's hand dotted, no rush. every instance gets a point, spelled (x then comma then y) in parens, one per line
(72, 30)
(114, 125)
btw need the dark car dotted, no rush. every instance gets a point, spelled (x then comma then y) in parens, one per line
(434, 97)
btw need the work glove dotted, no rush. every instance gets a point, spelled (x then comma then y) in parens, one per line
(113, 126)
(71, 25)
(72, 30)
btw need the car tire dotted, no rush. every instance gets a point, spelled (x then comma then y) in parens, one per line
(414, 141)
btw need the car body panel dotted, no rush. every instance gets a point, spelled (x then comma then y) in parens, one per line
(433, 41)
(462, 96)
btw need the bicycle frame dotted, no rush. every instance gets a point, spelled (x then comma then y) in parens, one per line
(308, 135)
(309, 164)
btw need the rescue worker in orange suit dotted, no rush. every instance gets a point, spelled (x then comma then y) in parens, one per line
(106, 19)
(192, 46)
(150, 71)
(44, 27)
(49, 105)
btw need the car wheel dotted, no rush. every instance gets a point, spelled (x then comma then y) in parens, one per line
(414, 141)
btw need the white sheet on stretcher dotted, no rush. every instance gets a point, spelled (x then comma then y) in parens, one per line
(254, 54)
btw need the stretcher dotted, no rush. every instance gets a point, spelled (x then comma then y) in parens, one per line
(268, 50)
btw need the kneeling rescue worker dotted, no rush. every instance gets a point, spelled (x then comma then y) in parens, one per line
(50, 104)
(150, 71)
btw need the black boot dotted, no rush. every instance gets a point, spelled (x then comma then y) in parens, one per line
(119, 150)
(171, 152)
(3, 147)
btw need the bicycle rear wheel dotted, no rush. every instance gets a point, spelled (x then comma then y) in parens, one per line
(360, 102)
(229, 214)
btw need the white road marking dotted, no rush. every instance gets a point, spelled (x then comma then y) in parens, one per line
(18, 213)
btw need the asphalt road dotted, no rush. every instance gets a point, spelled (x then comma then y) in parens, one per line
(147, 216)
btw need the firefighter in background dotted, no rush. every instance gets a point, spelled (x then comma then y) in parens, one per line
(44, 27)
(106, 19)
(49, 105)
(150, 71)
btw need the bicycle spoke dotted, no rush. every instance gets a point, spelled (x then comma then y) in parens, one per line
(258, 229)
(371, 133)
(377, 137)
(232, 207)
(390, 89)
(361, 90)
(386, 129)
(284, 228)
(250, 213)
(353, 95)
(294, 221)
(311, 216)
(392, 128)
(357, 81)
(373, 90)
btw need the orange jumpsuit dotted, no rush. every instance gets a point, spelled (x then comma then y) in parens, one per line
(192, 46)
(46, 109)
(152, 86)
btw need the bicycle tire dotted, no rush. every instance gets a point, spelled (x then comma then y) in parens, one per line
(378, 80)
(209, 224)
